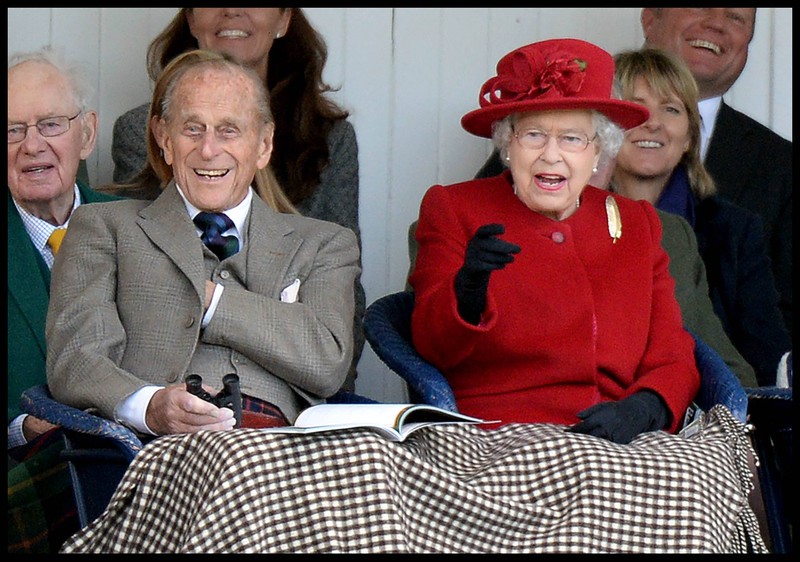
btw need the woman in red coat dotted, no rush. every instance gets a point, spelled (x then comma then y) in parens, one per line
(543, 298)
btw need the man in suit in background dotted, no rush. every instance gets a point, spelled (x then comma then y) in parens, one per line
(50, 129)
(267, 296)
(751, 165)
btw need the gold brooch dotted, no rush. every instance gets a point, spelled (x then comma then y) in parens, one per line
(614, 219)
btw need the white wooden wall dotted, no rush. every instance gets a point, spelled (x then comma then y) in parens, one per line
(407, 75)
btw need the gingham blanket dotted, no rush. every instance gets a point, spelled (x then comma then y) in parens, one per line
(454, 489)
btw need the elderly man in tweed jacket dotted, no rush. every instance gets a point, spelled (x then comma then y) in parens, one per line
(146, 303)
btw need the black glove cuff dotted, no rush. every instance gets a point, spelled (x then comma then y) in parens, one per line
(471, 295)
(655, 406)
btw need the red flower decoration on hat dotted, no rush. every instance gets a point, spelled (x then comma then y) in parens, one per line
(525, 75)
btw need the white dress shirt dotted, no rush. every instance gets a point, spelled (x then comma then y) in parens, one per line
(708, 117)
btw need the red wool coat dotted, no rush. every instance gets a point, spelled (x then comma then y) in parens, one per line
(576, 318)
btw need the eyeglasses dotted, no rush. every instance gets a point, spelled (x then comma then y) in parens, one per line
(534, 139)
(47, 127)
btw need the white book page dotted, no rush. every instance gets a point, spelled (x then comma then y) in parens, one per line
(385, 415)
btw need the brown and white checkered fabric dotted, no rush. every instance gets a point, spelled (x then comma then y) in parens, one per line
(455, 489)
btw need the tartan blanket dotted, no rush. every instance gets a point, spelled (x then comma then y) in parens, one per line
(41, 505)
(446, 489)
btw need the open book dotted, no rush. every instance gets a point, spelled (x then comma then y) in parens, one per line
(394, 421)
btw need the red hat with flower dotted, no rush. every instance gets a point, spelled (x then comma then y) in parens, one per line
(549, 75)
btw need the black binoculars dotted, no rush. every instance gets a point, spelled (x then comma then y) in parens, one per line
(229, 397)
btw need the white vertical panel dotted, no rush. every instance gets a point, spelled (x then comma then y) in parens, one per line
(464, 41)
(510, 28)
(28, 29)
(464, 35)
(331, 24)
(415, 120)
(124, 82)
(87, 52)
(87, 49)
(750, 93)
(613, 29)
(367, 54)
(562, 22)
(781, 101)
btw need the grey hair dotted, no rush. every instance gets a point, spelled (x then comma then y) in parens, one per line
(80, 86)
(609, 135)
(225, 63)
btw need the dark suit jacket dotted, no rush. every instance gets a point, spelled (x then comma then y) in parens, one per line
(28, 298)
(731, 242)
(752, 167)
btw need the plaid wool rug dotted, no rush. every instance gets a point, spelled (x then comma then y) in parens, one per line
(450, 489)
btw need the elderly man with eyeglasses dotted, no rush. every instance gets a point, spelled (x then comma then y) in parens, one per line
(50, 129)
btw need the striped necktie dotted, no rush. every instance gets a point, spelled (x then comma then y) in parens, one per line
(56, 237)
(213, 225)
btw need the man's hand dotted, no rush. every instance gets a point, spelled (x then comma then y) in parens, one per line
(174, 410)
(33, 427)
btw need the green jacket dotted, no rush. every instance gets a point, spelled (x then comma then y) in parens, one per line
(28, 299)
(691, 291)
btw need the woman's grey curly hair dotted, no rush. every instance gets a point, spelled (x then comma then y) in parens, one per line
(609, 135)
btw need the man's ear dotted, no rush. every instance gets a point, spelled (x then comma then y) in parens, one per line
(158, 130)
(265, 146)
(88, 133)
(647, 18)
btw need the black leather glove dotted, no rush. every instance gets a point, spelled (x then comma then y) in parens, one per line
(485, 253)
(623, 420)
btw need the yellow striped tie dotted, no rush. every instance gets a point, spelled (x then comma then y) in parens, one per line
(56, 238)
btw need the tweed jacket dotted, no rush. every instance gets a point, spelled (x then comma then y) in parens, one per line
(28, 298)
(336, 198)
(752, 167)
(127, 304)
(575, 319)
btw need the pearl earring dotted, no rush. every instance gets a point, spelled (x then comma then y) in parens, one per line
(278, 35)
(594, 170)
(508, 158)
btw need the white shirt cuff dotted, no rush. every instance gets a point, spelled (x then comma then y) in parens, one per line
(131, 410)
(784, 375)
(213, 306)
(15, 435)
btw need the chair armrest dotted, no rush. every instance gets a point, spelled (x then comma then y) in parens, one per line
(387, 327)
(38, 402)
(347, 397)
(718, 384)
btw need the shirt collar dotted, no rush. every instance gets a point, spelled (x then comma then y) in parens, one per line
(708, 116)
(237, 214)
(40, 230)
